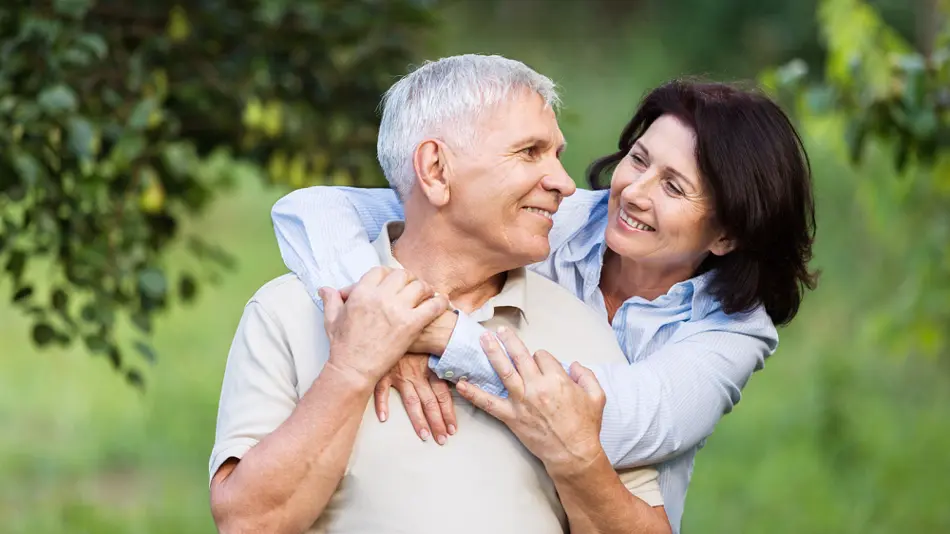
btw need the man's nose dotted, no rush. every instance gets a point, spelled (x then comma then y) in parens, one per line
(559, 181)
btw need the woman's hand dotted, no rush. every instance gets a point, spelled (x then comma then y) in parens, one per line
(556, 415)
(427, 398)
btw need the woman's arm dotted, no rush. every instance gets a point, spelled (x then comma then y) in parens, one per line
(656, 408)
(668, 403)
(325, 233)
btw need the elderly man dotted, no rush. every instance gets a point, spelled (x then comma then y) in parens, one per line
(471, 145)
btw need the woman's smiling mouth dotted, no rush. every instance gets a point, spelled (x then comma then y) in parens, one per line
(633, 223)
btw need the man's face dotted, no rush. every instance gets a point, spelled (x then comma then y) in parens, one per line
(504, 189)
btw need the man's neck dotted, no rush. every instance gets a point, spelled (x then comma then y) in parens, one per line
(449, 264)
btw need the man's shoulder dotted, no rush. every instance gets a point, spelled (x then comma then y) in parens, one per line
(557, 305)
(567, 327)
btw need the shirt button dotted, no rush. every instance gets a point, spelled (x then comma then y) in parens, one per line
(449, 374)
(463, 378)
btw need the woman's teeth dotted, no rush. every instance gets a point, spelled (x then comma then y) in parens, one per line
(635, 224)
(543, 213)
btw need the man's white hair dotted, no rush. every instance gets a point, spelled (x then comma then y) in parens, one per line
(443, 99)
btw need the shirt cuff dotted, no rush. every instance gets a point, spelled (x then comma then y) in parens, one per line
(464, 359)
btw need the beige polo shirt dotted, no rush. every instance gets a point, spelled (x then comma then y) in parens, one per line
(482, 480)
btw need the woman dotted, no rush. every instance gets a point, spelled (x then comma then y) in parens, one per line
(699, 246)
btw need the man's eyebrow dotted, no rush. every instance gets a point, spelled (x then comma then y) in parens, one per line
(542, 142)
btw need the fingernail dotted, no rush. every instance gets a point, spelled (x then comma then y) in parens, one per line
(485, 339)
(382, 417)
(451, 430)
(502, 330)
(440, 440)
(320, 294)
(461, 385)
(424, 434)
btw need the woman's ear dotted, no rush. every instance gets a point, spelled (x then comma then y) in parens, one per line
(430, 163)
(722, 246)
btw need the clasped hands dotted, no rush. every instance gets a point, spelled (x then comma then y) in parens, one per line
(556, 413)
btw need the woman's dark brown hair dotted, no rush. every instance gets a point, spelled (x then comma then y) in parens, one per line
(754, 163)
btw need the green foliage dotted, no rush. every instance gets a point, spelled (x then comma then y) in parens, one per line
(877, 90)
(118, 121)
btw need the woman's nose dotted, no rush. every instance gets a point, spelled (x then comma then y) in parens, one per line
(637, 192)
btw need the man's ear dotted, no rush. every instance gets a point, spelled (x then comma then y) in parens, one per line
(722, 246)
(430, 163)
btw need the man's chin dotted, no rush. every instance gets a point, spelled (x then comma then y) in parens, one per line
(536, 252)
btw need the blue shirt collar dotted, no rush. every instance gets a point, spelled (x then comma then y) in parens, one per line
(587, 245)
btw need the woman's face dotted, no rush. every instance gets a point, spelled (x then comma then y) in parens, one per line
(660, 211)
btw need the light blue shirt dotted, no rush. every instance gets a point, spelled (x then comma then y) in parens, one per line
(688, 360)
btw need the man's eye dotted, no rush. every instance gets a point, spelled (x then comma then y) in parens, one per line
(531, 151)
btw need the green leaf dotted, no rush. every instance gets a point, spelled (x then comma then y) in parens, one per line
(135, 379)
(187, 288)
(60, 299)
(792, 73)
(43, 334)
(138, 120)
(94, 43)
(146, 351)
(96, 343)
(28, 169)
(23, 294)
(855, 135)
(152, 283)
(81, 137)
(89, 313)
(115, 357)
(16, 264)
(924, 124)
(142, 321)
(57, 99)
(821, 99)
(72, 8)
(128, 149)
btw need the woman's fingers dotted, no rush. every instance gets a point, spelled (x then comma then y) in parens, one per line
(502, 365)
(433, 411)
(587, 380)
(413, 405)
(443, 394)
(496, 407)
(381, 396)
(548, 364)
(520, 356)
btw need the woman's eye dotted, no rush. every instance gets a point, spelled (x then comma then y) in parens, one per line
(638, 159)
(672, 188)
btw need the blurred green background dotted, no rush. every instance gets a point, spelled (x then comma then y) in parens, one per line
(845, 431)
